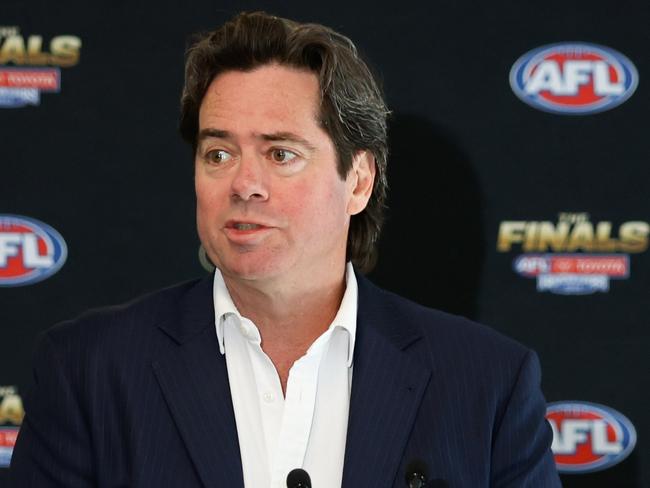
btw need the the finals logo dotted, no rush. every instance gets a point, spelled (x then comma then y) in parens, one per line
(11, 417)
(573, 256)
(29, 65)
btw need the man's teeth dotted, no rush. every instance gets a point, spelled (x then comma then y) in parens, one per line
(247, 226)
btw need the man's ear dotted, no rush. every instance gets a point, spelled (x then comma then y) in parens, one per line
(361, 179)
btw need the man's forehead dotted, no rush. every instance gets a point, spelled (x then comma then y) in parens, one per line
(270, 85)
(270, 67)
(270, 100)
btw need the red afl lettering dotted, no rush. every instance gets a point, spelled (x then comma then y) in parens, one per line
(573, 78)
(588, 437)
(30, 251)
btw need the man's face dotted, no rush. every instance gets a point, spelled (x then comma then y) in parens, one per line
(270, 203)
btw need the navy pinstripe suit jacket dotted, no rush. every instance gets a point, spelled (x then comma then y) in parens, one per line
(138, 396)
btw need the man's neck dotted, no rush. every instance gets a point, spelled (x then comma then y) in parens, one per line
(289, 316)
(295, 307)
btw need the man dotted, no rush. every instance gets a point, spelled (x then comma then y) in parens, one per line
(287, 357)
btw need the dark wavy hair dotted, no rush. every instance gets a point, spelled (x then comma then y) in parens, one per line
(352, 111)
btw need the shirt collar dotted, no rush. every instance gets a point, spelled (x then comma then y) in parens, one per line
(345, 318)
(223, 306)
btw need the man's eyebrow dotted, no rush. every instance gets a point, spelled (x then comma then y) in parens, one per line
(289, 137)
(275, 136)
(217, 133)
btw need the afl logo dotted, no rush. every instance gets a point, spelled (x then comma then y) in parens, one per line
(588, 437)
(30, 250)
(573, 78)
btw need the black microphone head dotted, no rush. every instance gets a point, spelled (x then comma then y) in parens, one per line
(416, 470)
(298, 478)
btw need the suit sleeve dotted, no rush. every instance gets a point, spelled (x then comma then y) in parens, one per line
(53, 448)
(521, 455)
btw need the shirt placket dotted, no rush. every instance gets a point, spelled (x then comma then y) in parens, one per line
(296, 419)
(269, 399)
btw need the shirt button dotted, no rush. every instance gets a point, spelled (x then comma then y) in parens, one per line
(247, 332)
(268, 397)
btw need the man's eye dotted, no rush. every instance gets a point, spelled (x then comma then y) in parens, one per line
(282, 155)
(218, 156)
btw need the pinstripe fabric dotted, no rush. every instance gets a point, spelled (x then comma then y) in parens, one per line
(131, 396)
(138, 396)
(442, 389)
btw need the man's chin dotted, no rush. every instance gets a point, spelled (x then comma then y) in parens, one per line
(250, 268)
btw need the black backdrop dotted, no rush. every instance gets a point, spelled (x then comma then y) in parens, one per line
(101, 162)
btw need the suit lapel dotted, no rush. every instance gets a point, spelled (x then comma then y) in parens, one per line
(193, 377)
(387, 388)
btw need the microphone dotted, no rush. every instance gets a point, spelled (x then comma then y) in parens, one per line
(416, 474)
(298, 478)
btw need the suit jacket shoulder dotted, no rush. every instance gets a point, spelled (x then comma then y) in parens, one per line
(137, 316)
(469, 398)
(445, 336)
(102, 411)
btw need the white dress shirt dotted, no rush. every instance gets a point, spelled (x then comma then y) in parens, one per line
(308, 428)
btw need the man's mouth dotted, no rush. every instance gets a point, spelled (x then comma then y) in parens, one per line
(243, 226)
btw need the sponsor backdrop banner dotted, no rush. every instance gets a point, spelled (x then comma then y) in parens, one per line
(518, 173)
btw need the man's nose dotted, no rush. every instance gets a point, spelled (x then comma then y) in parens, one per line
(250, 180)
